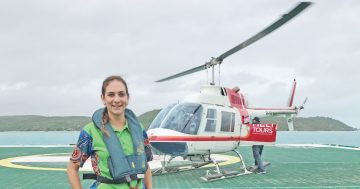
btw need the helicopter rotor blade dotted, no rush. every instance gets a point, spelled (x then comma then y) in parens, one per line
(285, 18)
(192, 70)
(214, 61)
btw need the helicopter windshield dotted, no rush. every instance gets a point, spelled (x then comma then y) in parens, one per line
(160, 117)
(184, 118)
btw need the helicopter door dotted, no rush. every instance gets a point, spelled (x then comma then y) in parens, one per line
(227, 127)
(211, 121)
(208, 130)
(227, 121)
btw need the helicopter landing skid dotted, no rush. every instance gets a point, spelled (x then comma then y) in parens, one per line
(165, 169)
(218, 174)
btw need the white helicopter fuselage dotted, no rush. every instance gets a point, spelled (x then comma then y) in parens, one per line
(215, 120)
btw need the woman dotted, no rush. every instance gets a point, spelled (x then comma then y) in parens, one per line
(114, 130)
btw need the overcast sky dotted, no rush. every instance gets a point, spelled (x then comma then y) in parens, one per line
(55, 54)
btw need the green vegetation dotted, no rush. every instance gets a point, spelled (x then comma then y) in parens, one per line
(310, 124)
(147, 117)
(75, 123)
(42, 123)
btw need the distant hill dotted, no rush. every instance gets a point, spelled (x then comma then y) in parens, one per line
(310, 124)
(42, 123)
(75, 123)
(147, 117)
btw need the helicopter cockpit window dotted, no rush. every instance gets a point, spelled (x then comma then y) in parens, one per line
(160, 117)
(211, 120)
(184, 118)
(227, 121)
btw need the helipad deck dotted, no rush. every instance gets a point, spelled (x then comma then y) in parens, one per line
(291, 167)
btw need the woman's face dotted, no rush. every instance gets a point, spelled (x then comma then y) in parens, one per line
(115, 98)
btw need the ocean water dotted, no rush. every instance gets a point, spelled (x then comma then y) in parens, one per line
(19, 138)
(347, 138)
(16, 138)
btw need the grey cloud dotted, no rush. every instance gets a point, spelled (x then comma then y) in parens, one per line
(62, 50)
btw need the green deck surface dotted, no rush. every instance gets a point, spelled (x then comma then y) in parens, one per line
(291, 167)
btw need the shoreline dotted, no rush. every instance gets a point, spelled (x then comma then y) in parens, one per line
(276, 145)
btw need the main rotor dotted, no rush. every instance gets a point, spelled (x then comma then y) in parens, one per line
(218, 60)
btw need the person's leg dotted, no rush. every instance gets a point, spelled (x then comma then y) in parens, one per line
(261, 149)
(257, 157)
(255, 154)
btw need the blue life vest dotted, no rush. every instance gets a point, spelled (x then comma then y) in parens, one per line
(123, 166)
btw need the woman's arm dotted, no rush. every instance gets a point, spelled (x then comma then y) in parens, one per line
(73, 175)
(148, 178)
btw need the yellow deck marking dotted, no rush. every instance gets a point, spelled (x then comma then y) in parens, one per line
(8, 162)
(231, 160)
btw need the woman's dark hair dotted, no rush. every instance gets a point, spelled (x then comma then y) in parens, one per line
(111, 78)
(105, 116)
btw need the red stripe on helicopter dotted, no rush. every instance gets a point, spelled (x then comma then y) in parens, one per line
(193, 138)
(207, 139)
(257, 132)
(280, 109)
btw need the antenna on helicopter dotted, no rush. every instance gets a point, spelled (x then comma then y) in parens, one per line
(214, 61)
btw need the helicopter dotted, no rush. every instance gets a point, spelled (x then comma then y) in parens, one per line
(218, 119)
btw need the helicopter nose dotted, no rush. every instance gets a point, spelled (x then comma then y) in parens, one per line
(173, 148)
(167, 141)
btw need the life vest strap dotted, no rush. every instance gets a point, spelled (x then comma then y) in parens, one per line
(102, 179)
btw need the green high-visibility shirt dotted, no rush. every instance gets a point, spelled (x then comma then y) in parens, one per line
(91, 144)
